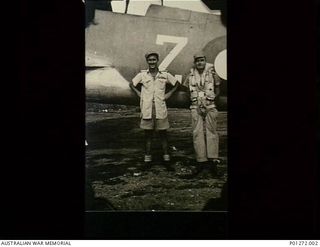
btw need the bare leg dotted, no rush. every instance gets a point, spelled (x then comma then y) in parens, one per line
(164, 141)
(148, 138)
(166, 156)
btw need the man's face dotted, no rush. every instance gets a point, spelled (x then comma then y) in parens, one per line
(200, 63)
(152, 61)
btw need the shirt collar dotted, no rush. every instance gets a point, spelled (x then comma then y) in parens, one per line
(158, 71)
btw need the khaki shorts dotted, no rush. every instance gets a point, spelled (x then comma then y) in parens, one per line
(154, 124)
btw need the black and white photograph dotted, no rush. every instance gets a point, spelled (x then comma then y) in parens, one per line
(131, 121)
(156, 111)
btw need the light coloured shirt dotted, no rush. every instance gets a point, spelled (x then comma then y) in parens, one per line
(201, 80)
(202, 86)
(153, 90)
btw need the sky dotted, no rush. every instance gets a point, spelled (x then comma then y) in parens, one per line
(139, 7)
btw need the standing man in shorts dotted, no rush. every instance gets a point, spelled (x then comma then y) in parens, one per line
(153, 98)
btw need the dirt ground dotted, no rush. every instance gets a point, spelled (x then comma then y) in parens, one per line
(115, 176)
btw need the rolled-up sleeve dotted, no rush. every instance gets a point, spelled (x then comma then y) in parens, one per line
(137, 79)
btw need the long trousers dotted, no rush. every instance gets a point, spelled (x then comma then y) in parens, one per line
(205, 136)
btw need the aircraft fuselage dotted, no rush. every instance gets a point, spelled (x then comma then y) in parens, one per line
(116, 44)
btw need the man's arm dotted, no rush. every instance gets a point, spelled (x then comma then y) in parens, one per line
(134, 89)
(217, 90)
(217, 85)
(135, 81)
(169, 94)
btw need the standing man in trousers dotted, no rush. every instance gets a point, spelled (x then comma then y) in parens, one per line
(203, 84)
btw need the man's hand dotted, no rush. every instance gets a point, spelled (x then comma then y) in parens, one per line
(135, 90)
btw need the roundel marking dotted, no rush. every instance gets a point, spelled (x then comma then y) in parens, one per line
(220, 64)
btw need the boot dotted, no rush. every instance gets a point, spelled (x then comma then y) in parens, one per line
(167, 163)
(214, 167)
(147, 162)
(200, 166)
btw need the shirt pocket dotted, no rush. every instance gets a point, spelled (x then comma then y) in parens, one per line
(192, 81)
(146, 83)
(162, 83)
(210, 91)
(193, 93)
